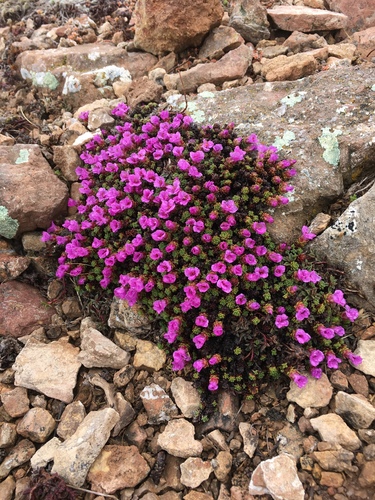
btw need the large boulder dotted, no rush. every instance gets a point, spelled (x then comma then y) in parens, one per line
(163, 26)
(361, 14)
(249, 19)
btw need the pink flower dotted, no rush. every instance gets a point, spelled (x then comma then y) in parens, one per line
(353, 358)
(238, 154)
(219, 267)
(225, 285)
(199, 340)
(229, 256)
(198, 226)
(262, 271)
(183, 164)
(339, 331)
(201, 320)
(338, 298)
(170, 337)
(303, 275)
(275, 257)
(316, 372)
(206, 238)
(301, 336)
(332, 361)
(200, 364)
(260, 250)
(218, 329)
(306, 235)
(249, 243)
(281, 321)
(250, 260)
(169, 278)
(316, 357)
(351, 313)
(159, 305)
(214, 360)
(237, 270)
(298, 379)
(196, 156)
(191, 273)
(259, 227)
(228, 206)
(212, 278)
(164, 267)
(240, 299)
(327, 333)
(158, 235)
(302, 312)
(180, 358)
(253, 305)
(279, 271)
(202, 286)
(213, 383)
(156, 254)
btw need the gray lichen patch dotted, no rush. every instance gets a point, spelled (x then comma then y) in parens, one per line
(23, 156)
(8, 226)
(292, 99)
(44, 79)
(346, 225)
(328, 141)
(285, 140)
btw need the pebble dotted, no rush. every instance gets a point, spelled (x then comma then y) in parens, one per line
(36, 425)
(194, 471)
(333, 429)
(178, 439)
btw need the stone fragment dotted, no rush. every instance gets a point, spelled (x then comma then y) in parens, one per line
(70, 419)
(19, 455)
(48, 368)
(125, 411)
(67, 160)
(288, 68)
(124, 376)
(331, 479)
(339, 380)
(143, 91)
(8, 434)
(342, 51)
(117, 467)
(361, 14)
(158, 405)
(74, 457)
(135, 434)
(71, 308)
(12, 265)
(31, 242)
(149, 357)
(367, 477)
(187, 398)
(277, 477)
(99, 118)
(16, 402)
(220, 41)
(365, 44)
(225, 418)
(124, 317)
(290, 441)
(36, 425)
(359, 384)
(334, 460)
(366, 349)
(178, 440)
(355, 409)
(301, 42)
(333, 429)
(250, 438)
(98, 351)
(16, 319)
(249, 19)
(305, 19)
(7, 488)
(222, 466)
(163, 26)
(369, 452)
(194, 471)
(24, 176)
(231, 66)
(198, 495)
(367, 435)
(218, 440)
(317, 393)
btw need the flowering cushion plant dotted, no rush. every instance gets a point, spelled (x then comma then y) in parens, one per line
(174, 217)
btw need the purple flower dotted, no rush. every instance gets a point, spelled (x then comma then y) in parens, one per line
(279, 271)
(159, 305)
(238, 154)
(250, 260)
(199, 340)
(183, 164)
(206, 238)
(196, 156)
(164, 267)
(169, 278)
(316, 357)
(200, 364)
(259, 227)
(229, 256)
(228, 206)
(203, 286)
(302, 312)
(159, 235)
(306, 235)
(332, 361)
(213, 383)
(253, 305)
(180, 358)
(170, 337)
(299, 380)
(156, 254)
(353, 358)
(301, 336)
(237, 270)
(327, 333)
(275, 257)
(191, 273)
(338, 298)
(351, 313)
(225, 285)
(214, 360)
(281, 320)
(339, 331)
(219, 267)
(201, 320)
(240, 299)
(218, 330)
(316, 372)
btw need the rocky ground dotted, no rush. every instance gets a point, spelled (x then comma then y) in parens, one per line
(85, 391)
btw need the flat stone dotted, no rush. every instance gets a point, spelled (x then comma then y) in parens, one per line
(48, 368)
(117, 467)
(277, 477)
(12, 265)
(149, 357)
(317, 393)
(124, 376)
(194, 471)
(126, 414)
(36, 425)
(305, 19)
(143, 90)
(355, 409)
(365, 43)
(158, 405)
(331, 479)
(19, 455)
(177, 439)
(16, 402)
(16, 319)
(187, 398)
(366, 349)
(361, 14)
(294, 67)
(334, 460)
(333, 429)
(220, 41)
(301, 42)
(71, 418)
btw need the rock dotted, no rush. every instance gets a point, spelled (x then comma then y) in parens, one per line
(100, 118)
(98, 351)
(71, 308)
(32, 242)
(301, 42)
(16, 402)
(8, 435)
(220, 41)
(218, 440)
(331, 479)
(143, 90)
(163, 26)
(342, 51)
(355, 409)
(19, 455)
(194, 471)
(127, 318)
(231, 66)
(367, 477)
(359, 384)
(249, 19)
(367, 435)
(149, 357)
(339, 380)
(12, 265)
(36, 425)
(70, 419)
(360, 15)
(158, 405)
(125, 411)
(117, 467)
(197, 495)
(135, 434)
(7, 488)
(290, 441)
(366, 349)
(187, 398)
(369, 452)
(250, 438)
(48, 368)
(177, 439)
(277, 477)
(334, 460)
(317, 393)
(333, 429)
(365, 43)
(124, 376)
(67, 160)
(222, 466)
(288, 68)
(305, 19)
(25, 179)
(74, 457)
(16, 319)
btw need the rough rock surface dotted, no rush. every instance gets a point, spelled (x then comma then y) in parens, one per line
(305, 19)
(249, 19)
(333, 429)
(283, 68)
(355, 410)
(361, 14)
(163, 26)
(316, 394)
(178, 439)
(366, 349)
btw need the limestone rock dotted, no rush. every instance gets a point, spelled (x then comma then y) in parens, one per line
(16, 402)
(334, 460)
(37, 424)
(333, 429)
(71, 418)
(177, 439)
(148, 356)
(366, 349)
(163, 26)
(249, 19)
(317, 393)
(124, 317)
(8, 435)
(158, 405)
(74, 457)
(250, 438)
(98, 351)
(288, 68)
(277, 477)
(356, 410)
(29, 189)
(361, 14)
(231, 66)
(117, 467)
(187, 398)
(220, 41)
(194, 471)
(305, 19)
(48, 368)
(19, 455)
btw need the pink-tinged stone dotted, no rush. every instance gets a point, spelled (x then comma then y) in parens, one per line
(282, 68)
(29, 189)
(36, 425)
(306, 19)
(163, 26)
(365, 41)
(361, 13)
(11, 264)
(16, 402)
(16, 319)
